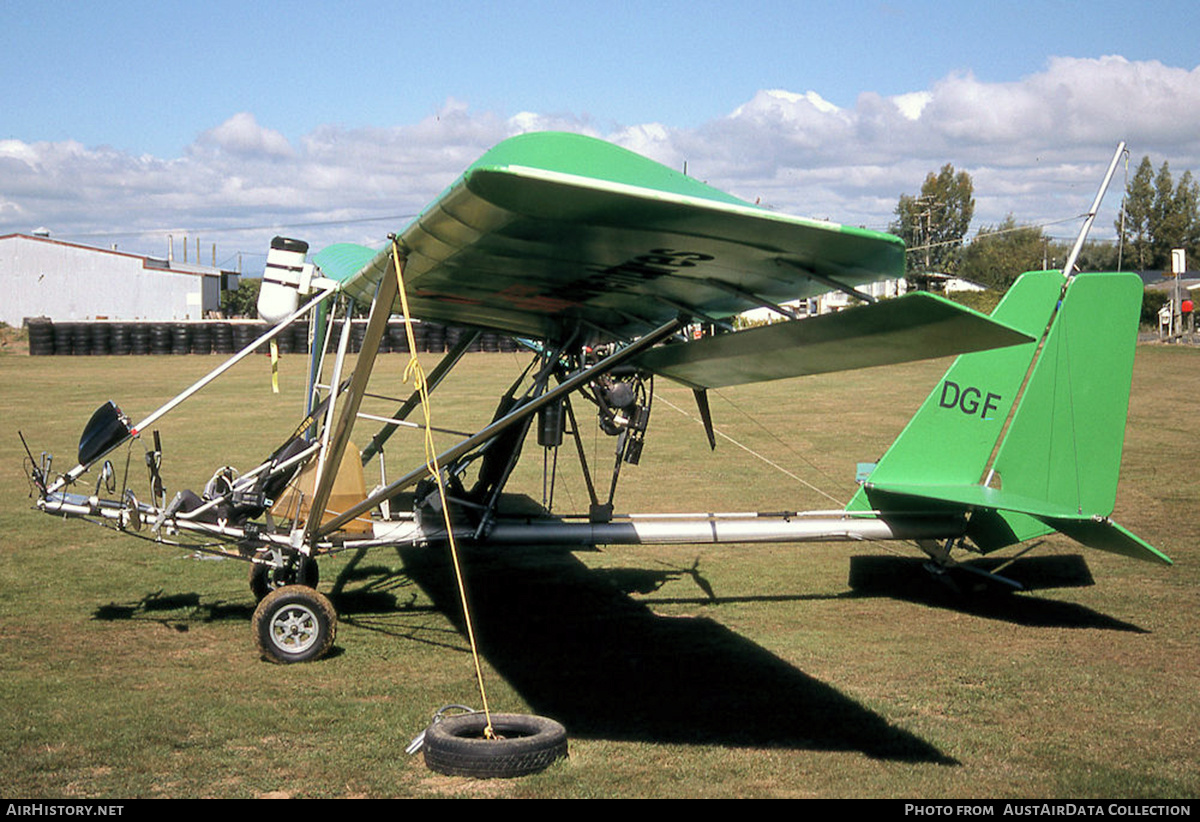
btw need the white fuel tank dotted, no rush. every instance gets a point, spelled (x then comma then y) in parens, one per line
(284, 279)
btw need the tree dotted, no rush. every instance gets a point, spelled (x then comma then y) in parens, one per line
(1178, 222)
(1134, 228)
(934, 223)
(1159, 216)
(1000, 254)
(242, 301)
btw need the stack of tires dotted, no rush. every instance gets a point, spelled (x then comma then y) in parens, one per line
(199, 339)
(222, 337)
(139, 339)
(243, 335)
(118, 339)
(160, 339)
(435, 338)
(180, 338)
(228, 337)
(398, 337)
(98, 339)
(64, 339)
(41, 337)
(300, 338)
(420, 335)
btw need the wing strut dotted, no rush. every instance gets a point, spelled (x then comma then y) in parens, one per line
(701, 395)
(829, 281)
(751, 297)
(434, 378)
(580, 378)
(381, 308)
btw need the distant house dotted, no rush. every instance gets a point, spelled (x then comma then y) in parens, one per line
(1175, 316)
(943, 283)
(41, 277)
(827, 302)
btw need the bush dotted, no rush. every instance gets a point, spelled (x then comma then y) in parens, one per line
(1152, 301)
(981, 301)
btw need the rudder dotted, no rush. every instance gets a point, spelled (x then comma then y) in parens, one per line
(1058, 455)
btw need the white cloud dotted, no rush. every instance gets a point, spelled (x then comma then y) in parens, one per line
(241, 135)
(1036, 148)
(913, 104)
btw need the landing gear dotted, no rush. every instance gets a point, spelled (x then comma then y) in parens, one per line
(296, 571)
(294, 623)
(962, 577)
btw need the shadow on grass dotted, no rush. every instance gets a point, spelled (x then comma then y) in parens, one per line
(176, 611)
(906, 578)
(579, 650)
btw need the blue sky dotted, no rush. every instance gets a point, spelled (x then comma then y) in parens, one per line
(142, 113)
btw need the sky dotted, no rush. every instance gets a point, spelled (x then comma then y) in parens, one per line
(229, 122)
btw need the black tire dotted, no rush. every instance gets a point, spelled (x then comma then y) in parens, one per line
(294, 624)
(526, 744)
(266, 578)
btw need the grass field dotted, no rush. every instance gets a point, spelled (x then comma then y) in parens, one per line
(739, 671)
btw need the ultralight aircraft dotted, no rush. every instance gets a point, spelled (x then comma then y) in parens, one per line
(600, 261)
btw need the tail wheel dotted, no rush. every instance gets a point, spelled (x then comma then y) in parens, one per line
(294, 623)
(523, 745)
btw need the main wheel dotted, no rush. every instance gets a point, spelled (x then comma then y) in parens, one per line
(523, 745)
(266, 578)
(294, 624)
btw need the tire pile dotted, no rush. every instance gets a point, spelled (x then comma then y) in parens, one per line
(101, 338)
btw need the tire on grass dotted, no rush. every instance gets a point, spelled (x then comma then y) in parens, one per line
(267, 578)
(526, 744)
(294, 623)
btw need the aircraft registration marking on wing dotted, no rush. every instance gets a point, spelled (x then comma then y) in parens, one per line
(555, 230)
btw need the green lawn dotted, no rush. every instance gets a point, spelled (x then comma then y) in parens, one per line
(735, 671)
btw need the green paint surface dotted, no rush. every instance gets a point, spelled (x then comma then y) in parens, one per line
(549, 232)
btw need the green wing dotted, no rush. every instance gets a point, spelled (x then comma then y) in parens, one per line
(549, 231)
(914, 327)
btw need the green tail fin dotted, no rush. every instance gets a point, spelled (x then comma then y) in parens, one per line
(1052, 463)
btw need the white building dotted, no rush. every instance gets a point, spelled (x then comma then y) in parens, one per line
(828, 302)
(41, 277)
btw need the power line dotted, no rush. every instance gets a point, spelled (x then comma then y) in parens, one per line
(227, 230)
(994, 233)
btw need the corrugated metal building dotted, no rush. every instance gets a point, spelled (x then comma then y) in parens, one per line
(41, 277)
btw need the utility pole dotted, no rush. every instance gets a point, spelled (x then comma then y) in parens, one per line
(1178, 267)
(927, 201)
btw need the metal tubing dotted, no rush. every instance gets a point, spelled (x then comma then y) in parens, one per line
(78, 470)
(1091, 216)
(445, 458)
(694, 529)
(433, 380)
(381, 308)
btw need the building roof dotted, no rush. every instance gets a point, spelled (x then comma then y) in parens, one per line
(147, 262)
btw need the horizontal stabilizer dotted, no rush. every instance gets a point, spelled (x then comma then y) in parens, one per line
(1107, 535)
(1093, 531)
(980, 496)
(914, 327)
(342, 261)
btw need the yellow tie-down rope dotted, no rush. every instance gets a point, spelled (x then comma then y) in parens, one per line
(274, 366)
(417, 374)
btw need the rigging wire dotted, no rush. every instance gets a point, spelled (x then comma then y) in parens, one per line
(757, 455)
(999, 232)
